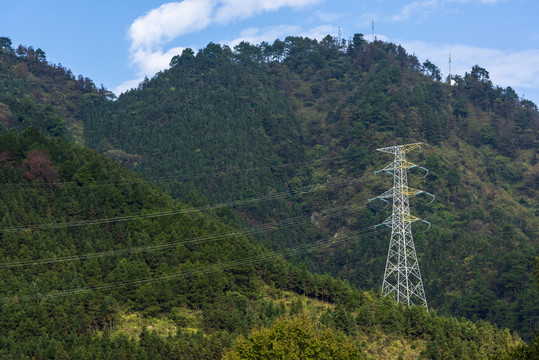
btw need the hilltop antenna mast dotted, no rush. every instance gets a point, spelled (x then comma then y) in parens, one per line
(449, 69)
(372, 24)
(402, 278)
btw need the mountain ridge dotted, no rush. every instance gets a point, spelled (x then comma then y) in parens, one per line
(288, 164)
(344, 100)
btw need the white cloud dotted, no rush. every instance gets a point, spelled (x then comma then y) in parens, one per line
(127, 85)
(169, 21)
(255, 35)
(149, 34)
(152, 61)
(416, 8)
(321, 32)
(241, 9)
(422, 8)
(380, 37)
(516, 69)
(506, 68)
(328, 17)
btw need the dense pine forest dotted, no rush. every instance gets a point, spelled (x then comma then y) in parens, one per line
(303, 112)
(257, 223)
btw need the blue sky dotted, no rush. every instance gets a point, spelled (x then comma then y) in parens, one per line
(116, 43)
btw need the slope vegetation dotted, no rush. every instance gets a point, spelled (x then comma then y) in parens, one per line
(36, 93)
(225, 125)
(97, 263)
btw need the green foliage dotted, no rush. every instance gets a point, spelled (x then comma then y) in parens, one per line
(73, 304)
(35, 93)
(294, 338)
(86, 186)
(229, 125)
(524, 351)
(225, 125)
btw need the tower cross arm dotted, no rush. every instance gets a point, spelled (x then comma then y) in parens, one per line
(408, 165)
(388, 169)
(386, 195)
(411, 191)
(408, 191)
(410, 218)
(400, 148)
(387, 222)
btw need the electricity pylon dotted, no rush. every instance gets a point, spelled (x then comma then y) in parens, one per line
(402, 278)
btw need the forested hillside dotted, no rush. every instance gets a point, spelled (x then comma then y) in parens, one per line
(36, 93)
(96, 263)
(273, 142)
(228, 124)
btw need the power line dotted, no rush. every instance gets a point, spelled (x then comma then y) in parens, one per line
(267, 197)
(214, 267)
(264, 227)
(213, 173)
(339, 211)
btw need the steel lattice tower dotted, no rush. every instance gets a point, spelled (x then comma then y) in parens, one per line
(402, 278)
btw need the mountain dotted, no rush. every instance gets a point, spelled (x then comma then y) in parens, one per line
(97, 263)
(36, 93)
(226, 125)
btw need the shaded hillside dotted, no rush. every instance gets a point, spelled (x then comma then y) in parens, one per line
(97, 263)
(260, 119)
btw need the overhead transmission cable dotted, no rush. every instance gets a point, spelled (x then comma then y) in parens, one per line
(267, 197)
(320, 244)
(214, 173)
(335, 212)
